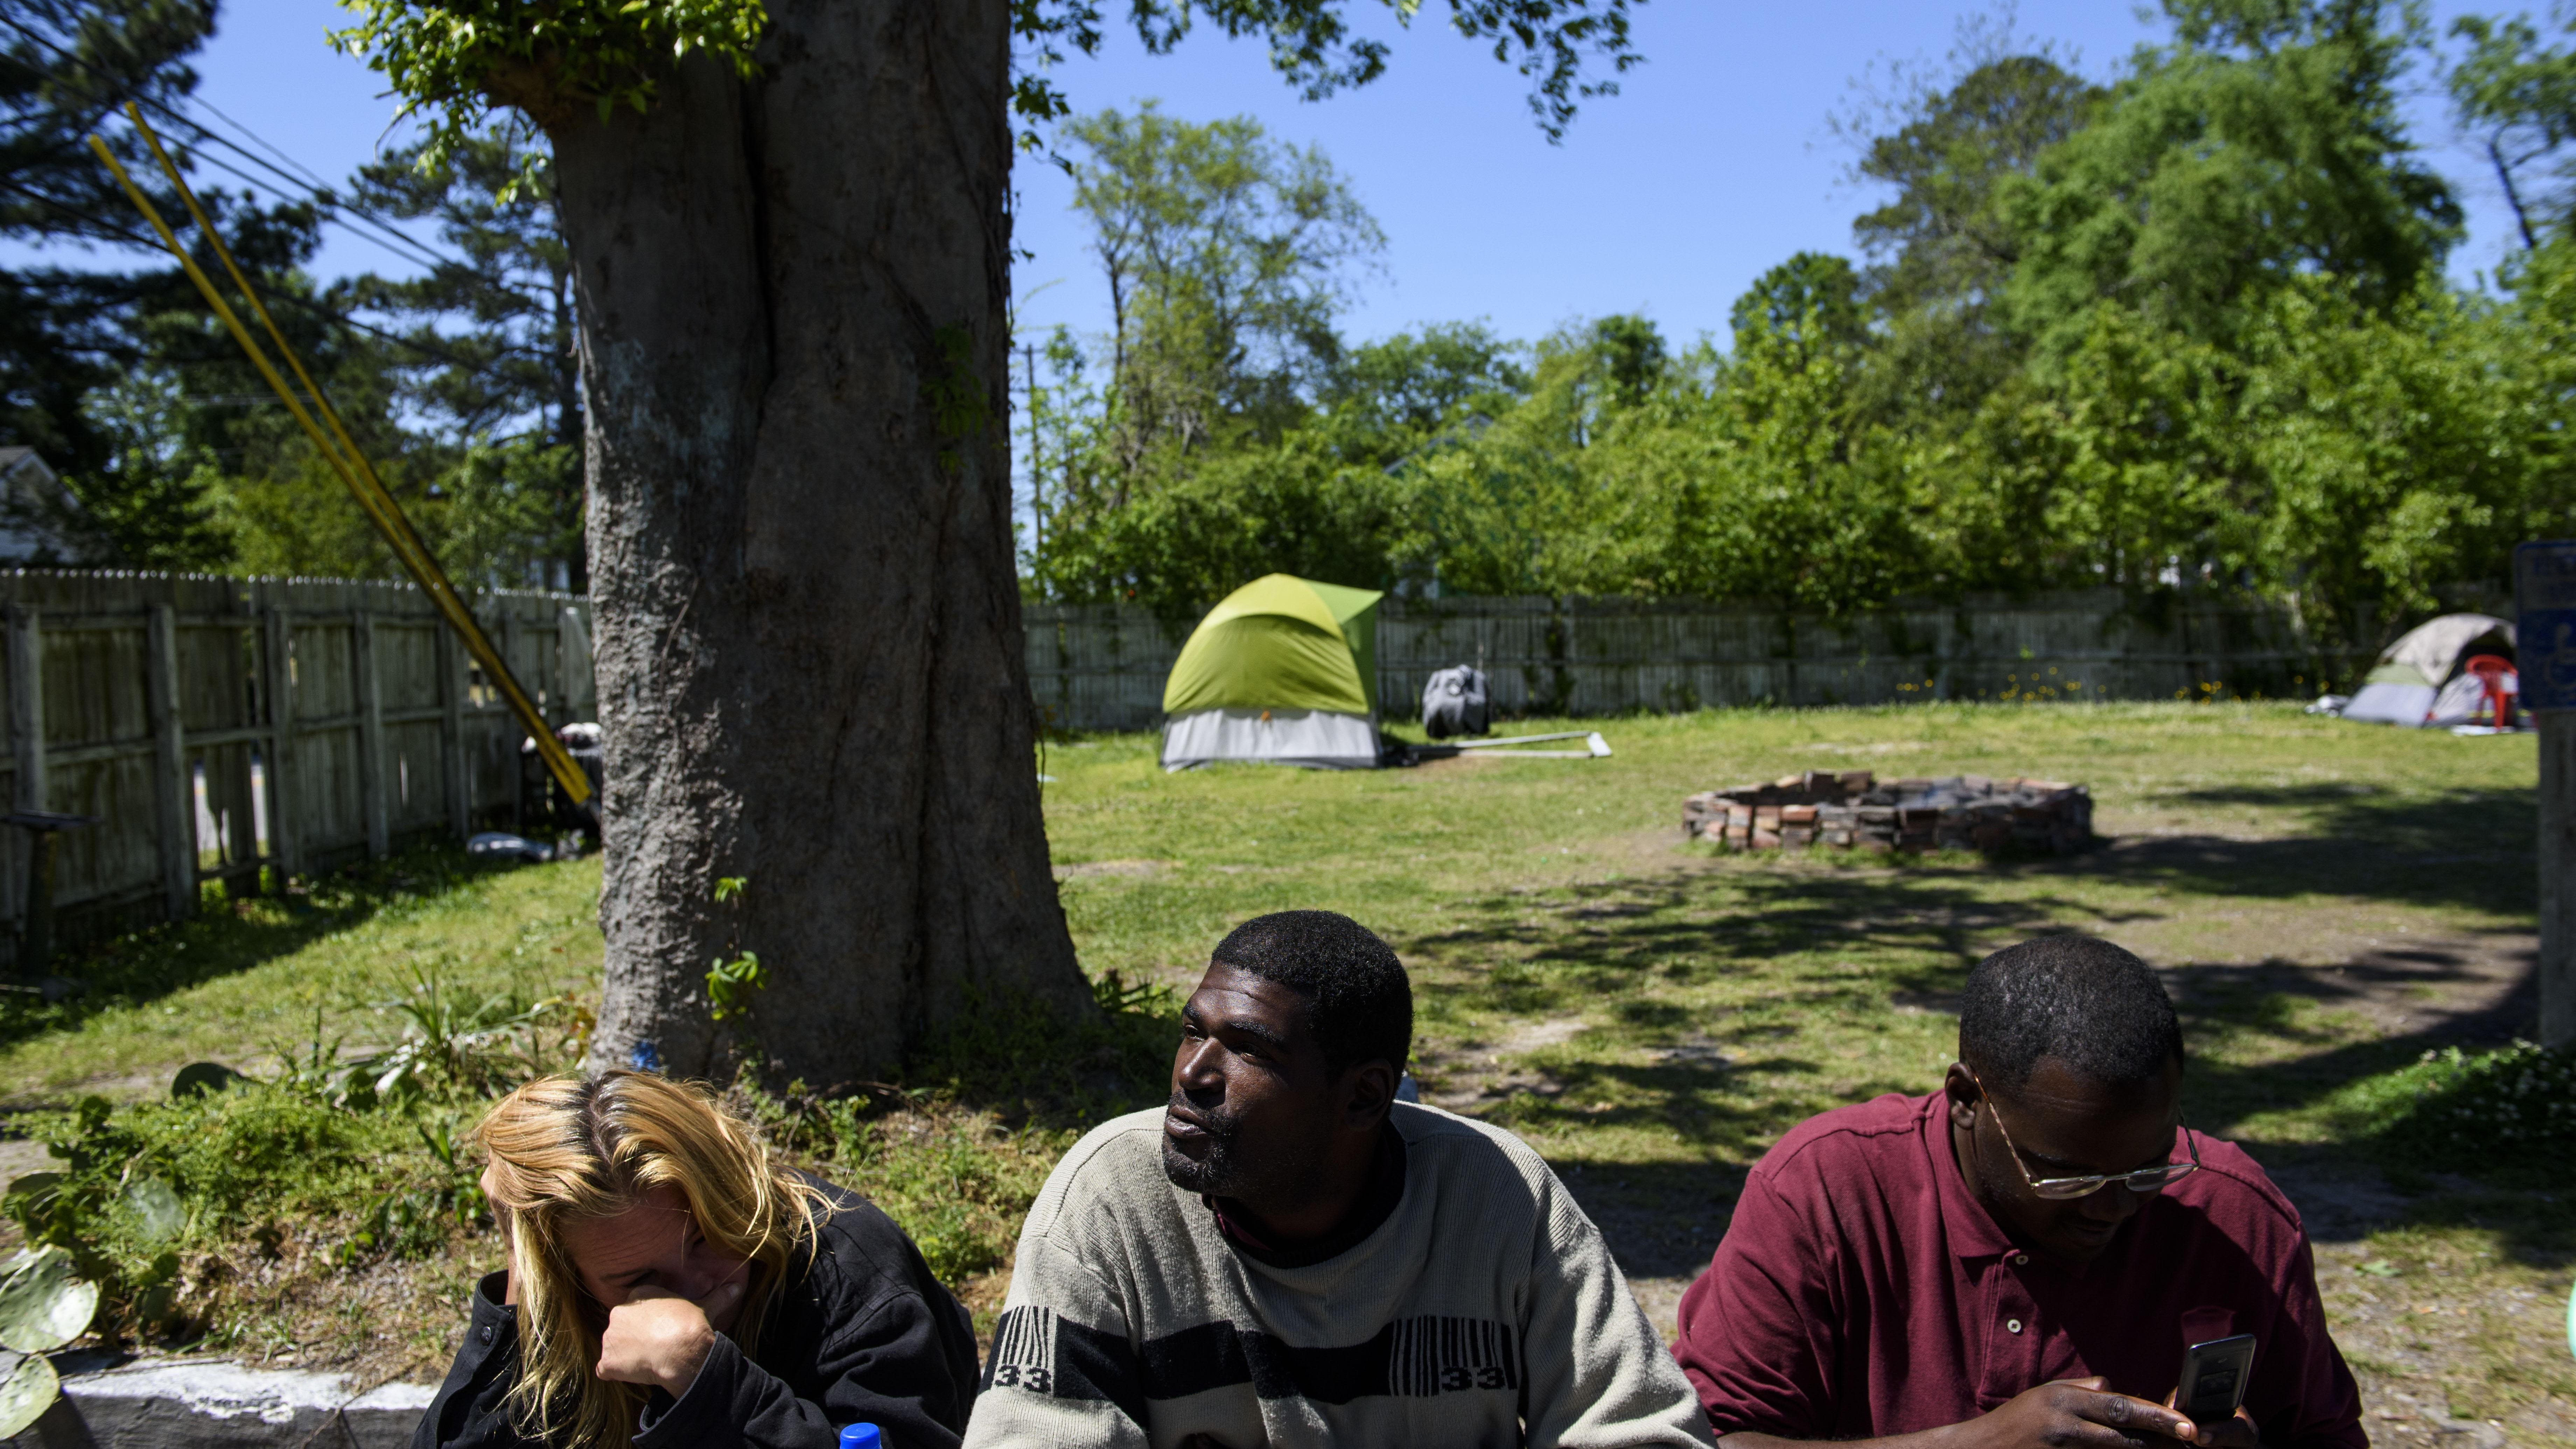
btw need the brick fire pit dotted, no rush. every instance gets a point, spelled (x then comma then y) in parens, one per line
(1854, 810)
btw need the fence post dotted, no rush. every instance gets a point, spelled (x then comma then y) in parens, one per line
(27, 744)
(27, 705)
(174, 802)
(567, 695)
(275, 640)
(371, 736)
(451, 733)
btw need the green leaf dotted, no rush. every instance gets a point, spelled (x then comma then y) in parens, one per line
(35, 1182)
(199, 1079)
(43, 1303)
(25, 1395)
(159, 1216)
(2380, 1268)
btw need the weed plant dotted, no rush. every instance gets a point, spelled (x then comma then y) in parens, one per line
(348, 1162)
(156, 1200)
(2508, 1114)
(958, 1155)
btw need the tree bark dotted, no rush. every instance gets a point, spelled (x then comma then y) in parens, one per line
(793, 301)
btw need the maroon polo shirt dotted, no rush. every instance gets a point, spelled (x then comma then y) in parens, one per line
(1862, 1291)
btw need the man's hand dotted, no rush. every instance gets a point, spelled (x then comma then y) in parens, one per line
(2077, 1414)
(656, 1337)
(2234, 1433)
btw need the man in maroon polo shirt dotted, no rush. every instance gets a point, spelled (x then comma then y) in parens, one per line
(2021, 1258)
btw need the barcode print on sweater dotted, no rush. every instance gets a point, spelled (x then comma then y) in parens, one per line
(1036, 1351)
(1023, 1354)
(1444, 1355)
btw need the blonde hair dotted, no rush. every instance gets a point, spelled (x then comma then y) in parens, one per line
(565, 1150)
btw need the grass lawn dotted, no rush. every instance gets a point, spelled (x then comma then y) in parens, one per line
(2329, 901)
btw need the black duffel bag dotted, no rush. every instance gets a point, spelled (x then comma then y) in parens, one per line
(1454, 702)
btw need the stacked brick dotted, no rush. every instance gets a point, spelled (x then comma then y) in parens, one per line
(1854, 811)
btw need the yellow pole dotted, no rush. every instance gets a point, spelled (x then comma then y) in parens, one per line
(387, 512)
(373, 498)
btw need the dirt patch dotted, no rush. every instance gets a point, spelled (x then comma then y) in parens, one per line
(18, 1157)
(2410, 1325)
(1133, 869)
(1477, 1073)
(1471, 760)
(983, 1295)
(1694, 1049)
(2477, 990)
(1884, 747)
(1662, 1300)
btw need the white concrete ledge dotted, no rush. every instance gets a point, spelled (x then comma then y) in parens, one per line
(218, 1404)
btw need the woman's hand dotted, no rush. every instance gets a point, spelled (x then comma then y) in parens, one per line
(655, 1337)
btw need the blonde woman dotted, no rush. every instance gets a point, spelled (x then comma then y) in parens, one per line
(671, 1284)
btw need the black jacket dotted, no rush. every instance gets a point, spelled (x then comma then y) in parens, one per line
(861, 1333)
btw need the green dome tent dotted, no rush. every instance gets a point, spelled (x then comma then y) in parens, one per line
(1283, 671)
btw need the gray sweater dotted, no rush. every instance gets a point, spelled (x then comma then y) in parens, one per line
(1484, 1311)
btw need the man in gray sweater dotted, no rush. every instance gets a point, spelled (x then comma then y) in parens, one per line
(1285, 1254)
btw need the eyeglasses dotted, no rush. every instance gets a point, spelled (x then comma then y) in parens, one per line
(2143, 1181)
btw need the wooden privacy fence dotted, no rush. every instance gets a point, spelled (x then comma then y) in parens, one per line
(213, 727)
(1102, 667)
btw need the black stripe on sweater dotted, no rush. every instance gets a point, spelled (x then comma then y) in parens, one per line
(1033, 1349)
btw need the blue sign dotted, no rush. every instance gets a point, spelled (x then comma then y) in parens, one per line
(2544, 590)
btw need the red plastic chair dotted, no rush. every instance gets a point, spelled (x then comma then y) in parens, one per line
(2493, 672)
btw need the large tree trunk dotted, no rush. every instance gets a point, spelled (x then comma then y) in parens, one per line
(793, 299)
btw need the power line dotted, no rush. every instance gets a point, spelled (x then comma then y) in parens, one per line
(334, 207)
(137, 239)
(404, 243)
(264, 143)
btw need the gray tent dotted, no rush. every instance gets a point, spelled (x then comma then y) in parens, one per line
(2417, 682)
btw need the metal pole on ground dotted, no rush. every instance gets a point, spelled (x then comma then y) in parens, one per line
(2544, 583)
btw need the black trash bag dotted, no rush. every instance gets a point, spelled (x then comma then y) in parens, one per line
(543, 804)
(1454, 702)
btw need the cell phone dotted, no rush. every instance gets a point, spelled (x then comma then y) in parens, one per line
(2213, 1379)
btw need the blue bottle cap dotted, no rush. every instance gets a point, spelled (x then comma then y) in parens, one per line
(861, 1436)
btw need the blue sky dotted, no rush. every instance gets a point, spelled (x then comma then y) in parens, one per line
(1714, 163)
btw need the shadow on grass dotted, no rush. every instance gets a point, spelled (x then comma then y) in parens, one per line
(1023, 1060)
(1688, 926)
(229, 936)
(1661, 1220)
(2475, 848)
(1910, 934)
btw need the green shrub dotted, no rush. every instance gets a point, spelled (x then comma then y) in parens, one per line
(139, 1188)
(2511, 1111)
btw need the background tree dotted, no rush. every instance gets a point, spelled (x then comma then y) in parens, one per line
(1943, 248)
(1225, 255)
(2263, 143)
(493, 364)
(66, 66)
(793, 362)
(2517, 96)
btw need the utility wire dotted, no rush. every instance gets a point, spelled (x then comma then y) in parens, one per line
(307, 185)
(339, 209)
(264, 143)
(136, 239)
